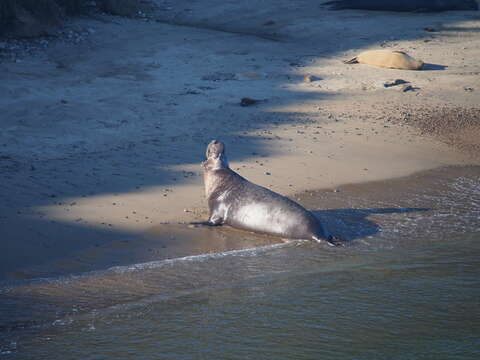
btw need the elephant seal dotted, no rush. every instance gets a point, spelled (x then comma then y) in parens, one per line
(404, 5)
(235, 201)
(387, 59)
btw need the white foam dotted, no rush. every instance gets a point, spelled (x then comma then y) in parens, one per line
(8, 286)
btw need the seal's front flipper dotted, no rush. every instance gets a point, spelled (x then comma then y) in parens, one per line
(351, 61)
(215, 220)
(200, 223)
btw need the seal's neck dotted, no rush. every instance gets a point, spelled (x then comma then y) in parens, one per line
(213, 166)
(215, 163)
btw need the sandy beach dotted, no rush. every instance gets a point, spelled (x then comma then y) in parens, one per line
(102, 139)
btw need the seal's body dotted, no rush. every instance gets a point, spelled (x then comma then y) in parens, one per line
(387, 59)
(235, 201)
(404, 5)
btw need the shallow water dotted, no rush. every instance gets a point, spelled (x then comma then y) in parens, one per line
(406, 287)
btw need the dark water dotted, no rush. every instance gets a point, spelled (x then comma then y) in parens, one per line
(406, 287)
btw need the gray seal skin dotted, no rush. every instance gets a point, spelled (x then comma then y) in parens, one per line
(235, 201)
(404, 5)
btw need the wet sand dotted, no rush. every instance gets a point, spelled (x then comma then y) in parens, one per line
(161, 242)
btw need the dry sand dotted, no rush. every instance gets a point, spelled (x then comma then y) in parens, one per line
(102, 139)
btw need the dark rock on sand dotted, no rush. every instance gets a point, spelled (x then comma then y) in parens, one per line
(394, 82)
(404, 5)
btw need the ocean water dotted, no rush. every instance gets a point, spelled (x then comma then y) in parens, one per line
(407, 286)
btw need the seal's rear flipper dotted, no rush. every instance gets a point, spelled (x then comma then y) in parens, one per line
(335, 241)
(331, 240)
(351, 61)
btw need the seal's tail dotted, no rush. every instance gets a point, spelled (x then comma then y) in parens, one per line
(331, 240)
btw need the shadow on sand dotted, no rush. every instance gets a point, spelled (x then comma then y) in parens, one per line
(430, 67)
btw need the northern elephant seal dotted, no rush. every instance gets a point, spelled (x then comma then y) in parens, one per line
(235, 201)
(387, 59)
(404, 5)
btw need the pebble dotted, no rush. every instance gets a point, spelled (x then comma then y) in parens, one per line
(406, 88)
(248, 101)
(394, 82)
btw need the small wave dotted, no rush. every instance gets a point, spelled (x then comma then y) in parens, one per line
(6, 287)
(201, 257)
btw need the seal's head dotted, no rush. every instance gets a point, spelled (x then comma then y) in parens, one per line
(216, 158)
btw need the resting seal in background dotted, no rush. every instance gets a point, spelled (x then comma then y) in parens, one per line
(404, 5)
(387, 59)
(237, 202)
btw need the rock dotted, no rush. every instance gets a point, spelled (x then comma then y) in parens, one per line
(310, 78)
(394, 83)
(248, 101)
(406, 88)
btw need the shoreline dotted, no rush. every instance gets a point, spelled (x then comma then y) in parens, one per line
(171, 241)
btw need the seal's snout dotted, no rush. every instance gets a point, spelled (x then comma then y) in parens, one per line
(216, 157)
(215, 149)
